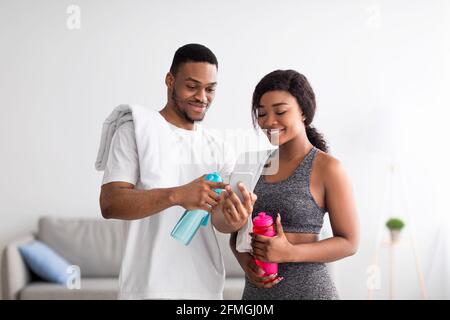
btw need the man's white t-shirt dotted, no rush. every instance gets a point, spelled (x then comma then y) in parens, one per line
(156, 266)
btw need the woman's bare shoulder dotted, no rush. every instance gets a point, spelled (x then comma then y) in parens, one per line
(328, 165)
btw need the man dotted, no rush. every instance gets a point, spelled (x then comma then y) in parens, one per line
(155, 266)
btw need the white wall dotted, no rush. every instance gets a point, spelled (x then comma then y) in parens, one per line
(379, 70)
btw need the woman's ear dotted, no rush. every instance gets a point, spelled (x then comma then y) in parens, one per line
(302, 116)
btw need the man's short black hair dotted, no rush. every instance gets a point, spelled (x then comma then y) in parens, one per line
(192, 52)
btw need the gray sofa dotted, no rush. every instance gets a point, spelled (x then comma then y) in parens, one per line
(96, 246)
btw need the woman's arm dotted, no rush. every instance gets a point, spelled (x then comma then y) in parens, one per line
(344, 222)
(343, 218)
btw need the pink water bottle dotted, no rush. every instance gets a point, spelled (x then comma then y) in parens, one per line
(263, 225)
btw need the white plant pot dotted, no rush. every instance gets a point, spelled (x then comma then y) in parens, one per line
(395, 235)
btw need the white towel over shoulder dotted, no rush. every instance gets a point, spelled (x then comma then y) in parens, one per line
(154, 142)
(120, 115)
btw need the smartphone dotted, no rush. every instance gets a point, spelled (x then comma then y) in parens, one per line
(245, 177)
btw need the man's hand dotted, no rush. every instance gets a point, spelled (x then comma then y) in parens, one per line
(198, 194)
(236, 212)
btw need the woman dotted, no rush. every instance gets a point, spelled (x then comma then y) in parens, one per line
(309, 183)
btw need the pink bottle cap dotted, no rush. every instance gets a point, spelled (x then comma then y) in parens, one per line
(262, 220)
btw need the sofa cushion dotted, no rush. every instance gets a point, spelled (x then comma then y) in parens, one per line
(95, 245)
(45, 262)
(91, 289)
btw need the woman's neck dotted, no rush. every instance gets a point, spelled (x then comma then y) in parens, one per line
(295, 148)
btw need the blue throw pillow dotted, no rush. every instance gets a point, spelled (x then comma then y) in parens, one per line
(45, 262)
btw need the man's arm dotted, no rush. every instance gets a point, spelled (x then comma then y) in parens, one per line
(119, 200)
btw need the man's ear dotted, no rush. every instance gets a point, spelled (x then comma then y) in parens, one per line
(169, 80)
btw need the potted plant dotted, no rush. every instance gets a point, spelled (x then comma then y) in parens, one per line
(395, 225)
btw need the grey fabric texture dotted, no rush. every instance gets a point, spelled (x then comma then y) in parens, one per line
(95, 245)
(91, 288)
(302, 281)
(15, 274)
(300, 214)
(105, 288)
(292, 199)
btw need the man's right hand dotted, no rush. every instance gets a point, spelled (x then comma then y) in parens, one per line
(198, 194)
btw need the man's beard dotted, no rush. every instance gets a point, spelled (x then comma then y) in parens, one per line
(182, 112)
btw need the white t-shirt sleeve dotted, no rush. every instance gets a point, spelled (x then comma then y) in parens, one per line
(123, 161)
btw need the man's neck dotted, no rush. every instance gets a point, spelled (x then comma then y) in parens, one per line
(169, 113)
